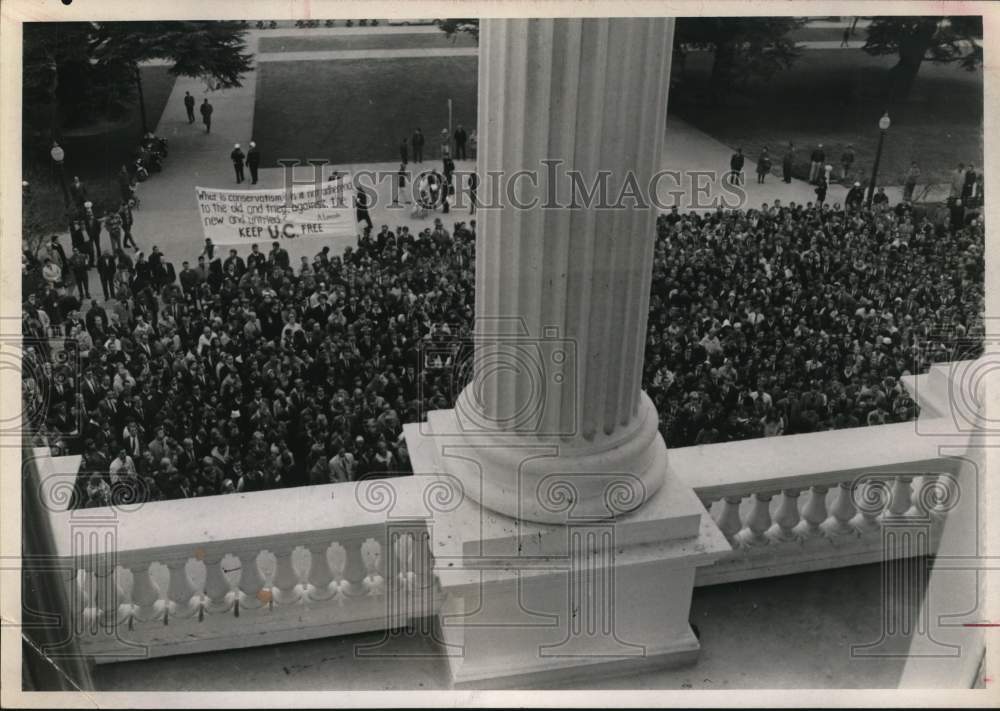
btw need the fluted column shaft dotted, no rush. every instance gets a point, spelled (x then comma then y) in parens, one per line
(561, 95)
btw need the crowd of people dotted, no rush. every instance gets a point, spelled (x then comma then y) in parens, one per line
(800, 318)
(246, 372)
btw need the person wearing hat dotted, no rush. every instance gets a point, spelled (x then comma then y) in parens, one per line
(237, 156)
(253, 162)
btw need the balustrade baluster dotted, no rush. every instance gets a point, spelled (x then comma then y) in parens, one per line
(759, 520)
(251, 580)
(144, 593)
(872, 495)
(285, 577)
(320, 574)
(179, 591)
(216, 586)
(354, 569)
(839, 522)
(814, 512)
(900, 497)
(786, 518)
(729, 517)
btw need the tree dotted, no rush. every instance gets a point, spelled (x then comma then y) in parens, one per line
(214, 51)
(915, 39)
(452, 26)
(742, 47)
(76, 72)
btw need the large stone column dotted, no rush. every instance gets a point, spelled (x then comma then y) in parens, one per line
(570, 549)
(562, 293)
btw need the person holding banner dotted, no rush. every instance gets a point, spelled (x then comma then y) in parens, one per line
(237, 156)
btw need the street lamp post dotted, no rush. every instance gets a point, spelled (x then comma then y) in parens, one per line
(883, 125)
(58, 161)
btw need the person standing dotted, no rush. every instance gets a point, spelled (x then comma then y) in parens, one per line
(910, 183)
(473, 187)
(80, 266)
(237, 157)
(404, 152)
(107, 266)
(816, 163)
(78, 192)
(957, 182)
(969, 186)
(189, 106)
(418, 146)
(253, 162)
(361, 208)
(206, 115)
(400, 182)
(461, 138)
(821, 190)
(846, 161)
(92, 225)
(736, 167)
(445, 143)
(846, 36)
(125, 211)
(787, 162)
(125, 183)
(855, 196)
(763, 165)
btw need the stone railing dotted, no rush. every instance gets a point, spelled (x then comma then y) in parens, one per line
(799, 503)
(195, 575)
(815, 501)
(232, 571)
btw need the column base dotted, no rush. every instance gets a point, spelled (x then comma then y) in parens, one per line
(532, 604)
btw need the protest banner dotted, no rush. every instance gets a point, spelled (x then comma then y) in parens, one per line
(301, 211)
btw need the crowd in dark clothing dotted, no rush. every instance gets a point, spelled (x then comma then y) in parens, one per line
(799, 318)
(248, 373)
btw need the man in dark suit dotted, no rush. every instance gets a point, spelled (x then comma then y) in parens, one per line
(107, 265)
(736, 167)
(189, 106)
(92, 225)
(418, 146)
(461, 137)
(404, 152)
(237, 156)
(253, 162)
(256, 260)
(206, 115)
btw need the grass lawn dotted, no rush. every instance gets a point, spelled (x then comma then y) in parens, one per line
(307, 43)
(96, 154)
(360, 109)
(833, 97)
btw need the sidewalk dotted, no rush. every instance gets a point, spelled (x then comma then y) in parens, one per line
(169, 215)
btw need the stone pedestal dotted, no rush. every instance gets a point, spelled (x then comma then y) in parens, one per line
(574, 548)
(535, 604)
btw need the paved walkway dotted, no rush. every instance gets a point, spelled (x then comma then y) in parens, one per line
(169, 214)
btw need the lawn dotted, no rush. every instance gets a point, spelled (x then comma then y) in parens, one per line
(833, 97)
(360, 109)
(95, 154)
(314, 43)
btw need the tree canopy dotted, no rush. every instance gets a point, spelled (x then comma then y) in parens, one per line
(77, 72)
(915, 39)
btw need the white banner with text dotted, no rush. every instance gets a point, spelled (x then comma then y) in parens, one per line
(246, 216)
